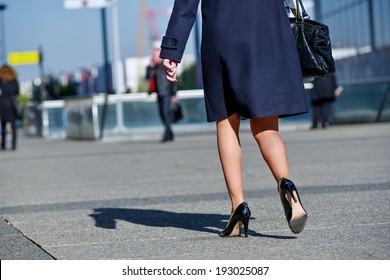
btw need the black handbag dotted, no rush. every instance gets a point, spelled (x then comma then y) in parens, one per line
(313, 44)
(176, 112)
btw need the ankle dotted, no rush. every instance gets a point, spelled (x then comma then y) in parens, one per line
(281, 179)
(235, 204)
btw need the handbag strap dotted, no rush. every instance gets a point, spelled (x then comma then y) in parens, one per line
(301, 14)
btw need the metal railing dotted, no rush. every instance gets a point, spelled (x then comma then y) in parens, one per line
(126, 114)
(132, 114)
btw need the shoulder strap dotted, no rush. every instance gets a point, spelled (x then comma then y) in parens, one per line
(300, 14)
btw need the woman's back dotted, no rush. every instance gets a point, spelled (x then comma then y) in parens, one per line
(8, 92)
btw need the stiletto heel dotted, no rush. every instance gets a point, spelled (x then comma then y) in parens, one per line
(239, 218)
(293, 209)
(246, 224)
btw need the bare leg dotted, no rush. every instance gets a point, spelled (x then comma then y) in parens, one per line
(229, 149)
(266, 132)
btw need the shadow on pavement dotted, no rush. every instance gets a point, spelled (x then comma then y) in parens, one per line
(107, 217)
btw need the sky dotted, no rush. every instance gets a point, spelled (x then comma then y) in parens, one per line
(71, 39)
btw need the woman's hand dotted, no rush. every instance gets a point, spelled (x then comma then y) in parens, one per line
(170, 68)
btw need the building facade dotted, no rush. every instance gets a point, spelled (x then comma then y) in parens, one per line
(360, 33)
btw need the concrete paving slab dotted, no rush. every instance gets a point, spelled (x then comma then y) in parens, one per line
(15, 246)
(146, 200)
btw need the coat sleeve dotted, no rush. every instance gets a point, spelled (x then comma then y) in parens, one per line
(179, 27)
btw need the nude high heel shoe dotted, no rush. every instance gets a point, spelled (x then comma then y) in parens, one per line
(295, 213)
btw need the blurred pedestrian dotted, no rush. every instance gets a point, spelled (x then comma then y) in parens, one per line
(250, 70)
(9, 89)
(325, 91)
(166, 91)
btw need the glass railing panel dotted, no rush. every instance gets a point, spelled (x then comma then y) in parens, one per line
(359, 102)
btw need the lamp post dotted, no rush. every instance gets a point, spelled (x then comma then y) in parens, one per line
(3, 59)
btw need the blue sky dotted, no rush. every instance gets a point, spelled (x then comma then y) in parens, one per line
(70, 39)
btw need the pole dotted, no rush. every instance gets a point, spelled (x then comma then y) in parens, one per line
(106, 71)
(43, 93)
(198, 56)
(117, 73)
(372, 25)
(141, 40)
(3, 46)
(42, 74)
(105, 52)
(118, 66)
(383, 104)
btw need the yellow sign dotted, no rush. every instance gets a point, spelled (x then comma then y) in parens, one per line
(23, 58)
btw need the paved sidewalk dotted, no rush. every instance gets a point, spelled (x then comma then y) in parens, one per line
(126, 199)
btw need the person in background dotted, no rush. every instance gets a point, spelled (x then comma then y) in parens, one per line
(9, 89)
(166, 91)
(325, 91)
(250, 70)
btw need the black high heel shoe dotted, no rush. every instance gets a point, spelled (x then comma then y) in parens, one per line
(239, 218)
(295, 213)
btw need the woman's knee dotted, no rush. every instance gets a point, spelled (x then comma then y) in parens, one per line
(231, 122)
(259, 125)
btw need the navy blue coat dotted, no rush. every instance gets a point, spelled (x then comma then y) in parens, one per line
(249, 59)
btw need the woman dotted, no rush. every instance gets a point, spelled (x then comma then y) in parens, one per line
(9, 89)
(250, 70)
